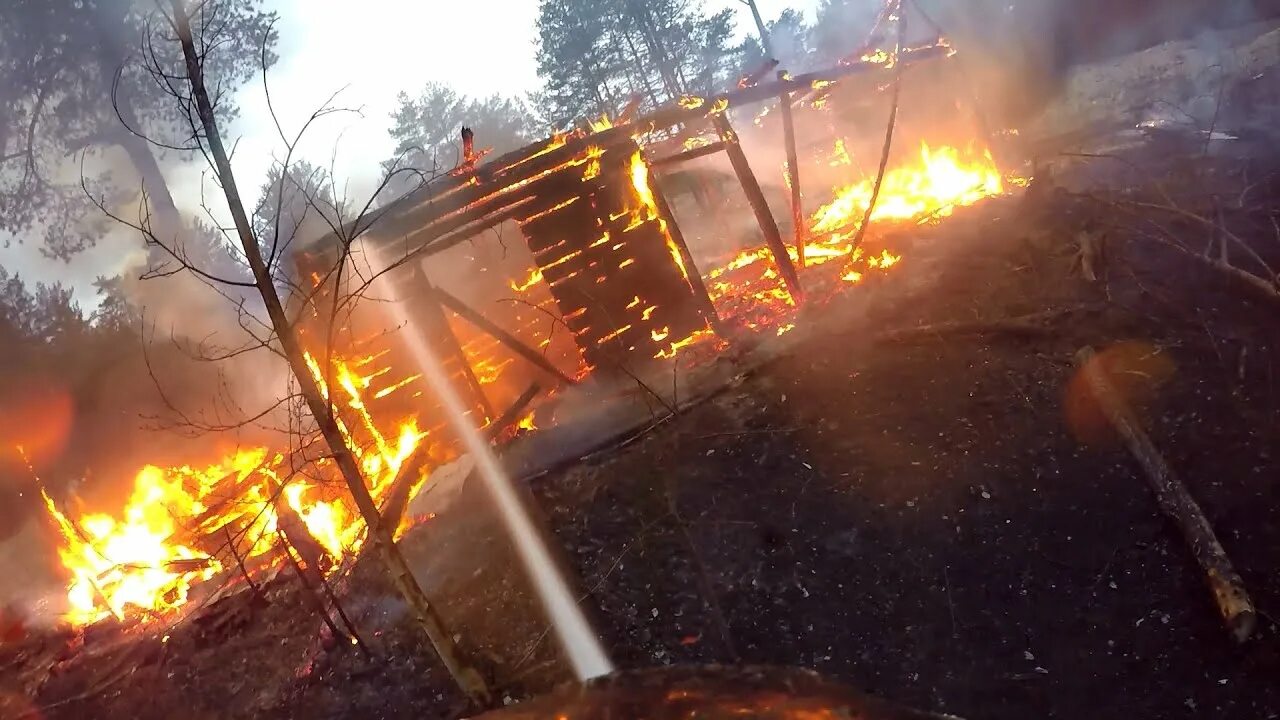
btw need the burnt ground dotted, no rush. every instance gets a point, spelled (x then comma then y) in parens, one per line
(938, 521)
(935, 517)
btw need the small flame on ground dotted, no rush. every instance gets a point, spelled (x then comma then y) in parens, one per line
(940, 181)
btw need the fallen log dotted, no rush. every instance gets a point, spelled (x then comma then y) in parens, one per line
(1030, 325)
(1175, 502)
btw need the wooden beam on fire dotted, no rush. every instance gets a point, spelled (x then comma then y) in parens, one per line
(760, 206)
(686, 156)
(512, 413)
(473, 199)
(512, 342)
(705, 307)
(438, 325)
(398, 494)
(675, 113)
(793, 173)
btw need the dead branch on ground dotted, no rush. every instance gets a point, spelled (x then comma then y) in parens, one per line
(1175, 502)
(1031, 325)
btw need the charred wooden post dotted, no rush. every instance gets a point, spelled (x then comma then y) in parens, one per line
(688, 155)
(705, 306)
(309, 589)
(793, 173)
(755, 197)
(512, 342)
(439, 329)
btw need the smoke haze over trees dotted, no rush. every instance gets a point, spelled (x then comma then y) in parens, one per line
(594, 56)
(427, 129)
(76, 86)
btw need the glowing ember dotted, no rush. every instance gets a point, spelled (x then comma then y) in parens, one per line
(696, 142)
(594, 154)
(839, 156)
(534, 278)
(879, 57)
(746, 288)
(696, 338)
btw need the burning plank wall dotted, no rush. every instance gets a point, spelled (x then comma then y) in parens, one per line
(608, 259)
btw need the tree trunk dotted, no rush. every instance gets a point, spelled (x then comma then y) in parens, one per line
(639, 68)
(765, 43)
(640, 16)
(109, 21)
(466, 676)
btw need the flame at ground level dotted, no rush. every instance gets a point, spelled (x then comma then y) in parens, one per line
(183, 525)
(938, 182)
(747, 287)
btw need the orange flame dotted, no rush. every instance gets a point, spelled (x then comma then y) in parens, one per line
(940, 181)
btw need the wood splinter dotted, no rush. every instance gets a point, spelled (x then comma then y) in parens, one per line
(1175, 502)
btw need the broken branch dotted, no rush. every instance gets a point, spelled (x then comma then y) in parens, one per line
(1175, 502)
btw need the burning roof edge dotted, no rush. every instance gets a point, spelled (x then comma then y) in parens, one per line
(409, 205)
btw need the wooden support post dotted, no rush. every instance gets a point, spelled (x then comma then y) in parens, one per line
(709, 149)
(439, 326)
(1175, 502)
(793, 172)
(705, 307)
(755, 196)
(502, 336)
(512, 413)
(398, 495)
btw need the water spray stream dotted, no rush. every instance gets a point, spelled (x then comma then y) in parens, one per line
(576, 636)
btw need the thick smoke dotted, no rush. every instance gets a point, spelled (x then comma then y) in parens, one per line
(1019, 52)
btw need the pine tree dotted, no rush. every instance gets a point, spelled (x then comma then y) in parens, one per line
(594, 56)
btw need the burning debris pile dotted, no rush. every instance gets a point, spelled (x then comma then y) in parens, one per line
(611, 269)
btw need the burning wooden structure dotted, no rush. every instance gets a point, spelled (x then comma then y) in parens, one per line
(613, 271)
(590, 213)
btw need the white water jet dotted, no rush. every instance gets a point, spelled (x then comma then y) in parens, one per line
(576, 636)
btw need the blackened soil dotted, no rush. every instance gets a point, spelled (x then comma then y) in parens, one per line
(940, 519)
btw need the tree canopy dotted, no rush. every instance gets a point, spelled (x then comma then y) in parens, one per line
(427, 129)
(78, 87)
(595, 55)
(792, 41)
(98, 369)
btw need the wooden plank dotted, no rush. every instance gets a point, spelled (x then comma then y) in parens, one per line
(760, 206)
